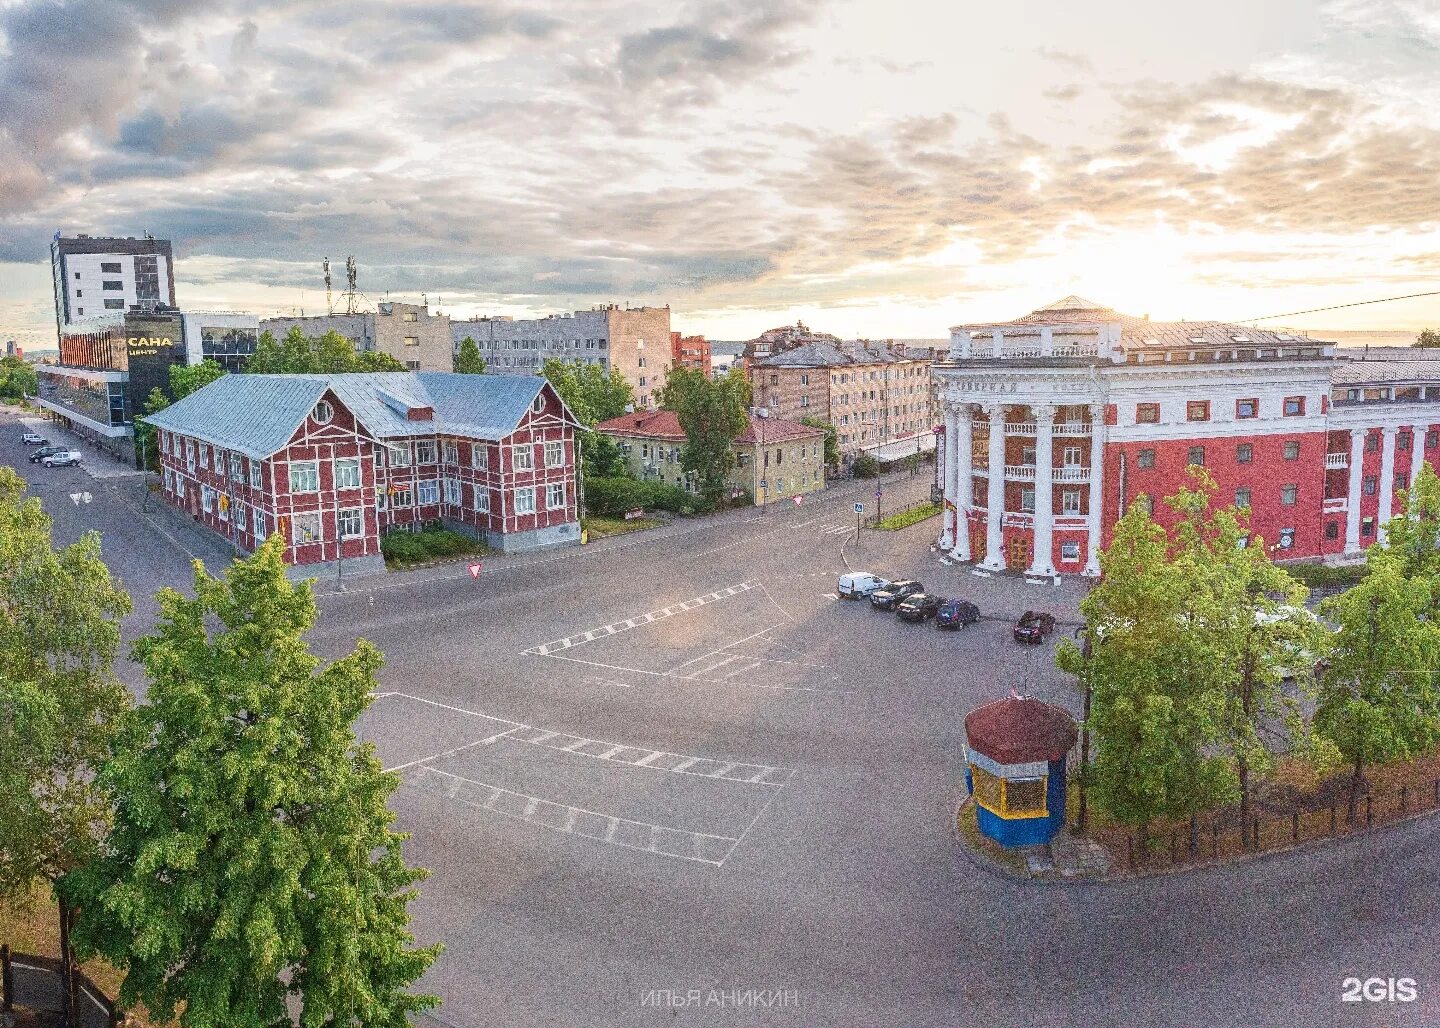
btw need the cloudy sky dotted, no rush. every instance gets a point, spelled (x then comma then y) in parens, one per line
(875, 168)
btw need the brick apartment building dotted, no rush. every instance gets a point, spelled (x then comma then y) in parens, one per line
(406, 331)
(1055, 422)
(774, 458)
(634, 340)
(874, 394)
(691, 352)
(335, 461)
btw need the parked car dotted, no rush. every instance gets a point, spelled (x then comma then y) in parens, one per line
(888, 597)
(954, 613)
(859, 584)
(1034, 626)
(33, 439)
(62, 459)
(918, 607)
(45, 451)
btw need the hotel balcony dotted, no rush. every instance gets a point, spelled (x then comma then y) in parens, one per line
(1336, 460)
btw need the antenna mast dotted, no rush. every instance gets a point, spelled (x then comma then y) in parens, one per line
(329, 304)
(350, 279)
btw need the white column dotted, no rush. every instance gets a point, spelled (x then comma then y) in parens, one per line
(1387, 480)
(997, 343)
(1047, 341)
(1095, 518)
(995, 496)
(1417, 451)
(964, 480)
(964, 344)
(1352, 503)
(1043, 562)
(947, 533)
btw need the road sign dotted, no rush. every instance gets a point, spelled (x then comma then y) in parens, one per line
(878, 494)
(474, 569)
(859, 508)
(798, 498)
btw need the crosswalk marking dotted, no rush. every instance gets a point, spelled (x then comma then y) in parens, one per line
(589, 635)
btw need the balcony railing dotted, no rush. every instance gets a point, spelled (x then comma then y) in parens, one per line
(1066, 428)
(1337, 460)
(1072, 473)
(1026, 519)
(1020, 472)
(1335, 505)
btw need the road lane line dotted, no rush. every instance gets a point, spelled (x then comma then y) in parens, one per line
(458, 749)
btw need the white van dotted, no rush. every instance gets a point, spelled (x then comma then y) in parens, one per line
(859, 584)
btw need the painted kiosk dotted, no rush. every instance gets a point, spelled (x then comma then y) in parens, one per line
(1015, 768)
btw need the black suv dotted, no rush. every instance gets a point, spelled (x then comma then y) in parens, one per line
(918, 607)
(45, 451)
(1034, 626)
(956, 614)
(892, 594)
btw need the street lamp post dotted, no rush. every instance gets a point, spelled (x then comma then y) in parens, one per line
(763, 465)
(340, 561)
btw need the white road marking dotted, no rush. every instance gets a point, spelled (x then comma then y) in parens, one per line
(752, 824)
(694, 842)
(682, 678)
(458, 749)
(546, 649)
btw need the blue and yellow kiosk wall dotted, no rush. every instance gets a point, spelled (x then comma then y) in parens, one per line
(1017, 804)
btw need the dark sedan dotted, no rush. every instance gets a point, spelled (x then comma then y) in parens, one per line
(1034, 626)
(956, 614)
(45, 451)
(918, 607)
(889, 597)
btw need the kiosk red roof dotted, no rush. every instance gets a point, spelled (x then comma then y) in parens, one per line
(1019, 730)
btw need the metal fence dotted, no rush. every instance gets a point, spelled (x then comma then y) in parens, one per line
(1220, 836)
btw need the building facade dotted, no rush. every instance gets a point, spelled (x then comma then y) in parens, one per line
(692, 352)
(406, 331)
(224, 337)
(335, 461)
(636, 341)
(774, 458)
(1054, 423)
(876, 395)
(99, 275)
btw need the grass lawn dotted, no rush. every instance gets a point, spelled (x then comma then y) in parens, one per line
(909, 516)
(604, 528)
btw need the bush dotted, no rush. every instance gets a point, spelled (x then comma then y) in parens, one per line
(1319, 575)
(909, 516)
(430, 543)
(402, 547)
(865, 466)
(612, 497)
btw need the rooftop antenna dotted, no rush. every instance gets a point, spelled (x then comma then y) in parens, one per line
(329, 304)
(424, 300)
(350, 273)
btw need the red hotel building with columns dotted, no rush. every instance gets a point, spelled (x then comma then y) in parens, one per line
(1055, 422)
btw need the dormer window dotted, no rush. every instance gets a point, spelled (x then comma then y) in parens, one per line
(539, 404)
(323, 413)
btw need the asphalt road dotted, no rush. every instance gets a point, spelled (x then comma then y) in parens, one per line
(673, 781)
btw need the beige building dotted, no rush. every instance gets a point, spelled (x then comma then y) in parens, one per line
(775, 459)
(406, 331)
(634, 340)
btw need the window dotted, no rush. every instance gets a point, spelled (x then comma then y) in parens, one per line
(1294, 406)
(525, 501)
(304, 528)
(480, 456)
(347, 472)
(1369, 485)
(236, 471)
(538, 404)
(1196, 456)
(1146, 504)
(412, 365)
(429, 492)
(1288, 495)
(1027, 499)
(113, 287)
(240, 519)
(524, 458)
(1249, 408)
(1145, 459)
(1197, 410)
(1403, 441)
(106, 268)
(425, 451)
(323, 413)
(1072, 456)
(554, 454)
(412, 340)
(555, 496)
(1432, 439)
(190, 454)
(114, 305)
(804, 380)
(204, 455)
(1402, 480)
(1147, 413)
(482, 500)
(1244, 453)
(1367, 527)
(304, 477)
(207, 498)
(408, 316)
(1070, 501)
(399, 455)
(254, 473)
(347, 524)
(452, 490)
(1242, 498)
(1332, 530)
(452, 452)
(1372, 442)
(168, 485)
(1070, 553)
(258, 517)
(400, 497)
(1292, 449)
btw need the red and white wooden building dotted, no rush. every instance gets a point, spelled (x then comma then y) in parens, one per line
(1056, 422)
(335, 461)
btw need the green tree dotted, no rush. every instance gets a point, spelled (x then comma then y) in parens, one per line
(17, 378)
(593, 394)
(187, 378)
(713, 414)
(268, 358)
(832, 439)
(60, 617)
(1428, 338)
(865, 466)
(377, 360)
(1413, 537)
(145, 432)
(468, 360)
(251, 858)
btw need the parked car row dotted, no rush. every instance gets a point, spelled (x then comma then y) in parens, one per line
(51, 456)
(908, 599)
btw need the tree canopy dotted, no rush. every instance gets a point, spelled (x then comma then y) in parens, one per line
(467, 359)
(299, 354)
(832, 439)
(1428, 338)
(714, 414)
(17, 378)
(251, 858)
